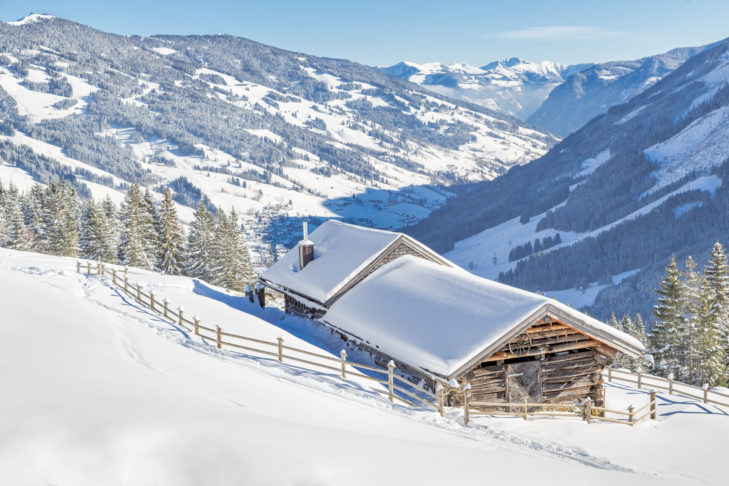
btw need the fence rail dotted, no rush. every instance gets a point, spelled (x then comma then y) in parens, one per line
(398, 388)
(673, 387)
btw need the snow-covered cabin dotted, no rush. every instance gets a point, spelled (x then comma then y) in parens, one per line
(399, 300)
(335, 258)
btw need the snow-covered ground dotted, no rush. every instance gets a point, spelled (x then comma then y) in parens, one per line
(97, 390)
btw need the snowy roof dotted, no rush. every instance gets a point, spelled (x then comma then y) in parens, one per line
(450, 317)
(341, 252)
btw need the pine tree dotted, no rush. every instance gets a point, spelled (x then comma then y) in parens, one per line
(151, 227)
(711, 351)
(112, 229)
(689, 347)
(716, 275)
(232, 265)
(171, 256)
(96, 242)
(133, 249)
(3, 217)
(665, 337)
(200, 246)
(16, 234)
(60, 219)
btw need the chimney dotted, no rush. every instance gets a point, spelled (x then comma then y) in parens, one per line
(306, 248)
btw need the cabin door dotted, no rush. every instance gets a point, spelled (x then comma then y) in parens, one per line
(523, 380)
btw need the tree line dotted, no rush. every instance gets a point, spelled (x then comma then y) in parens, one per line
(140, 233)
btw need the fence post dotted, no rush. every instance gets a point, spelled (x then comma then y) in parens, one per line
(102, 269)
(588, 410)
(610, 374)
(78, 266)
(280, 349)
(343, 355)
(220, 338)
(631, 414)
(705, 387)
(670, 383)
(151, 300)
(164, 307)
(180, 310)
(653, 404)
(197, 325)
(113, 275)
(126, 270)
(391, 380)
(524, 406)
(126, 284)
(640, 376)
(139, 293)
(466, 403)
(88, 268)
(439, 390)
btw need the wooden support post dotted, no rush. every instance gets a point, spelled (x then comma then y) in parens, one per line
(466, 403)
(640, 377)
(653, 404)
(151, 300)
(631, 414)
(88, 268)
(343, 355)
(78, 266)
(164, 307)
(610, 374)
(102, 269)
(670, 386)
(391, 380)
(139, 293)
(280, 349)
(126, 284)
(440, 391)
(126, 271)
(705, 387)
(179, 317)
(113, 276)
(524, 407)
(588, 410)
(220, 337)
(197, 325)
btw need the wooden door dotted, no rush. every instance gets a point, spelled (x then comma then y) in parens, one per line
(523, 380)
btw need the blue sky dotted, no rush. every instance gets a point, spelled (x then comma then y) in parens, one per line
(384, 32)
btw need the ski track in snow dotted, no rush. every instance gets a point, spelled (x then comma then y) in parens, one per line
(338, 389)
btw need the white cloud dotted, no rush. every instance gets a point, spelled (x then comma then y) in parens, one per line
(558, 32)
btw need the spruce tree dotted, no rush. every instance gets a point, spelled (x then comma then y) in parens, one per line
(200, 245)
(711, 351)
(16, 234)
(665, 337)
(232, 265)
(96, 242)
(151, 227)
(689, 347)
(133, 248)
(172, 240)
(35, 202)
(716, 275)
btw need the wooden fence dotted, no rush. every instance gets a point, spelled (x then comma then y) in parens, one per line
(397, 388)
(642, 380)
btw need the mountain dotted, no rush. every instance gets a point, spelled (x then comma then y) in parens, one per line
(599, 216)
(591, 91)
(514, 86)
(277, 134)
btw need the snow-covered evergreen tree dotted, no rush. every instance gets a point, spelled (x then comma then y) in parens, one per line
(16, 234)
(96, 240)
(232, 264)
(689, 346)
(60, 219)
(133, 248)
(710, 344)
(200, 245)
(112, 222)
(151, 227)
(665, 337)
(172, 239)
(33, 213)
(716, 275)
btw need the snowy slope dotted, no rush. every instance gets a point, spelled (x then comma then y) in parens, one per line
(277, 134)
(634, 186)
(513, 86)
(106, 393)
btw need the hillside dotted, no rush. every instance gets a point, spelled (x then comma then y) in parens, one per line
(277, 134)
(105, 392)
(642, 182)
(513, 86)
(593, 90)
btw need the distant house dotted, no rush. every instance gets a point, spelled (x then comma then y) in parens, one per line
(439, 322)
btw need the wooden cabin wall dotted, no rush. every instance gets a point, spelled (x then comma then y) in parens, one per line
(570, 366)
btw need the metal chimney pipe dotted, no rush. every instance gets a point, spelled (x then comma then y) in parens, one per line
(306, 248)
(306, 230)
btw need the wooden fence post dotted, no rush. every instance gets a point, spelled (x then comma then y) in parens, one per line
(524, 407)
(139, 293)
(197, 325)
(126, 284)
(165, 302)
(113, 275)
(343, 355)
(88, 268)
(220, 338)
(441, 392)
(610, 374)
(670, 383)
(102, 268)
(151, 300)
(640, 376)
(391, 380)
(588, 410)
(705, 387)
(280, 349)
(653, 404)
(466, 403)
(78, 266)
(179, 315)
(126, 270)
(631, 414)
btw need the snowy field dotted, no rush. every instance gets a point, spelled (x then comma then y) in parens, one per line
(97, 390)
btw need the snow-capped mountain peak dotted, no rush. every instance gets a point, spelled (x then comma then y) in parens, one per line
(32, 19)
